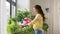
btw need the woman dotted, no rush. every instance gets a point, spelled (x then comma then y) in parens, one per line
(38, 20)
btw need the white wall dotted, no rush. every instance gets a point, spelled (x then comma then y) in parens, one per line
(23, 4)
(56, 28)
(58, 2)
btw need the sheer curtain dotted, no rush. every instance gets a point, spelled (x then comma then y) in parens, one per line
(4, 14)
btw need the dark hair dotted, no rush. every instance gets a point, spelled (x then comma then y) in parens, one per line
(40, 11)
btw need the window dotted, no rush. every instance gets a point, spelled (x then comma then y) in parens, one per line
(13, 7)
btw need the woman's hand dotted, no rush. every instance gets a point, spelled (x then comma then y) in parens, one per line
(25, 19)
(29, 19)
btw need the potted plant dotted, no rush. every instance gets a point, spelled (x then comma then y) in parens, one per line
(45, 27)
(21, 14)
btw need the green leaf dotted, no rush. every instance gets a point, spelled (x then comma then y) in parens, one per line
(45, 26)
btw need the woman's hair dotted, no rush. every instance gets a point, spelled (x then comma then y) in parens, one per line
(40, 11)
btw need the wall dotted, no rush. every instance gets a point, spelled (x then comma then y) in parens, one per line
(56, 27)
(58, 2)
(23, 4)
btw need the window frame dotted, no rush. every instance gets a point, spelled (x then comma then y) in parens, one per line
(14, 4)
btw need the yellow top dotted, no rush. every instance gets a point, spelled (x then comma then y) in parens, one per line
(37, 22)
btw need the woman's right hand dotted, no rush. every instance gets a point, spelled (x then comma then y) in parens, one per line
(29, 19)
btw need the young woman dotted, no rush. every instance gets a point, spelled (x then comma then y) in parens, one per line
(38, 20)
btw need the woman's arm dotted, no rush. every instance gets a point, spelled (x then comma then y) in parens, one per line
(35, 19)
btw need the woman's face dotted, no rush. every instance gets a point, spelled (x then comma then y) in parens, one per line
(35, 10)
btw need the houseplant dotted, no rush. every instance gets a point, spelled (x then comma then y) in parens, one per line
(21, 14)
(13, 28)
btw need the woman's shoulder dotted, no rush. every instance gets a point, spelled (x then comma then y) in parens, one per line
(38, 14)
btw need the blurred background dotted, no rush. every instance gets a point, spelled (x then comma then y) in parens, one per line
(51, 8)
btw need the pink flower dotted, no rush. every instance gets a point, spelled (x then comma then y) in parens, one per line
(26, 21)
